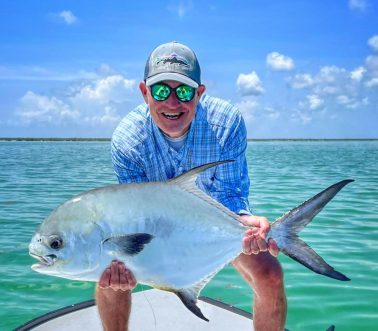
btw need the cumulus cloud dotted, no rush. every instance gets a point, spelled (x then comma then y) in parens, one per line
(350, 102)
(68, 17)
(360, 5)
(247, 108)
(65, 16)
(315, 102)
(372, 82)
(371, 63)
(98, 102)
(373, 43)
(279, 62)
(301, 81)
(40, 108)
(249, 84)
(358, 73)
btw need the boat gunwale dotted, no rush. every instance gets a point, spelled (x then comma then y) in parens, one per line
(40, 320)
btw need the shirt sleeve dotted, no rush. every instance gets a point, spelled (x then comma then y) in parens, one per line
(231, 182)
(126, 165)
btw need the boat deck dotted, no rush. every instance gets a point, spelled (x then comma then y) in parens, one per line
(153, 310)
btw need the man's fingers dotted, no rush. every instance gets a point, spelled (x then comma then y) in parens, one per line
(114, 276)
(104, 281)
(247, 245)
(272, 247)
(250, 245)
(254, 246)
(131, 279)
(262, 244)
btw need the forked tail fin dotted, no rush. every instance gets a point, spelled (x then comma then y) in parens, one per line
(285, 232)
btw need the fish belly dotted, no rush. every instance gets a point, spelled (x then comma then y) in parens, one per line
(192, 239)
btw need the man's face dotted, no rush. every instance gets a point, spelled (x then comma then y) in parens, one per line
(172, 116)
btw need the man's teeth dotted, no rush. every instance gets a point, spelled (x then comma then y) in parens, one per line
(172, 115)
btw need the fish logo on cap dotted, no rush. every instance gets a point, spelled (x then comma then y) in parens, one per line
(172, 59)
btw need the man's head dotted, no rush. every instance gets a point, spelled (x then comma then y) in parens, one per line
(172, 87)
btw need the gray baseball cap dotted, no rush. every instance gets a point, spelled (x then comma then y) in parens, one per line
(173, 61)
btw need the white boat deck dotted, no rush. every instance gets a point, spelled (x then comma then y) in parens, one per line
(153, 310)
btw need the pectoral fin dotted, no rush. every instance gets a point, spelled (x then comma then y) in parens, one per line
(130, 244)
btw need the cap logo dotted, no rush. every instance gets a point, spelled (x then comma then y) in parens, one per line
(171, 60)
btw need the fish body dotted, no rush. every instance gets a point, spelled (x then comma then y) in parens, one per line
(171, 235)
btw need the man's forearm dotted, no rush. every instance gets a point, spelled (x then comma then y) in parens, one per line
(114, 308)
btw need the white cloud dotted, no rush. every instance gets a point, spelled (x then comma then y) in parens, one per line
(372, 82)
(98, 102)
(371, 63)
(68, 17)
(113, 87)
(63, 17)
(300, 81)
(249, 84)
(247, 108)
(279, 62)
(39, 108)
(358, 5)
(358, 73)
(373, 43)
(315, 102)
(351, 103)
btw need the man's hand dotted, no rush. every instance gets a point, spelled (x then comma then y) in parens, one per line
(254, 240)
(117, 277)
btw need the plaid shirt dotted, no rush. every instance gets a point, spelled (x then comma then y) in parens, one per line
(140, 153)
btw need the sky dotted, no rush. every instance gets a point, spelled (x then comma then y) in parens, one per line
(295, 69)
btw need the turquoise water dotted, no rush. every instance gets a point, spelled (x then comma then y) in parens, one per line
(37, 176)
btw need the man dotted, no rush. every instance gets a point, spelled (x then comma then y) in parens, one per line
(179, 128)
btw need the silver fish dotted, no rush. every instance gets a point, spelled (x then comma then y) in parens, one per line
(171, 235)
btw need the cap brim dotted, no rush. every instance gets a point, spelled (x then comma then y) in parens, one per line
(171, 76)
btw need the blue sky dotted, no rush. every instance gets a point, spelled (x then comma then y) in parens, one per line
(296, 69)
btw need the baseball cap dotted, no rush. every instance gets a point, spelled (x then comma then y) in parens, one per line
(173, 61)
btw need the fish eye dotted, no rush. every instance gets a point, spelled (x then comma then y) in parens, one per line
(55, 243)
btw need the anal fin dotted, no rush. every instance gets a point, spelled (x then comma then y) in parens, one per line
(189, 299)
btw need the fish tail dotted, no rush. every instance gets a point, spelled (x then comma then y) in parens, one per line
(285, 232)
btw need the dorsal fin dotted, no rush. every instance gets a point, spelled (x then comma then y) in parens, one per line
(187, 181)
(189, 178)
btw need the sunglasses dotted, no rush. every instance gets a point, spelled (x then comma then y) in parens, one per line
(161, 92)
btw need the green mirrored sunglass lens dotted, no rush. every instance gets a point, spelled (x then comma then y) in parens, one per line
(160, 92)
(185, 93)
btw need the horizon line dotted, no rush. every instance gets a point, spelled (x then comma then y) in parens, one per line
(109, 139)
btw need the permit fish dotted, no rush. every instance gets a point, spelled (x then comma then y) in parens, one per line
(171, 235)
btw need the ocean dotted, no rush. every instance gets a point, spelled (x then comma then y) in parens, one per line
(35, 177)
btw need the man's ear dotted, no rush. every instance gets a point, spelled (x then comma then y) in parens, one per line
(201, 90)
(143, 89)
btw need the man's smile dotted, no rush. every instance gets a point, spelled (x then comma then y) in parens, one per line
(172, 116)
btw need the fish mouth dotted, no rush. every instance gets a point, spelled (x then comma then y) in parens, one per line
(44, 261)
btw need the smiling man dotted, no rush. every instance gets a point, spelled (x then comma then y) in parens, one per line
(179, 128)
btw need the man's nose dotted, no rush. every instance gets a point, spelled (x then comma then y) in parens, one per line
(172, 100)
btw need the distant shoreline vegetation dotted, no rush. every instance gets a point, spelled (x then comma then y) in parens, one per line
(250, 139)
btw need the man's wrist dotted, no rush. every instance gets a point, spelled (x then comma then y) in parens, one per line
(243, 212)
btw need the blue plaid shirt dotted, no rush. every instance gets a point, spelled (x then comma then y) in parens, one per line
(140, 153)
